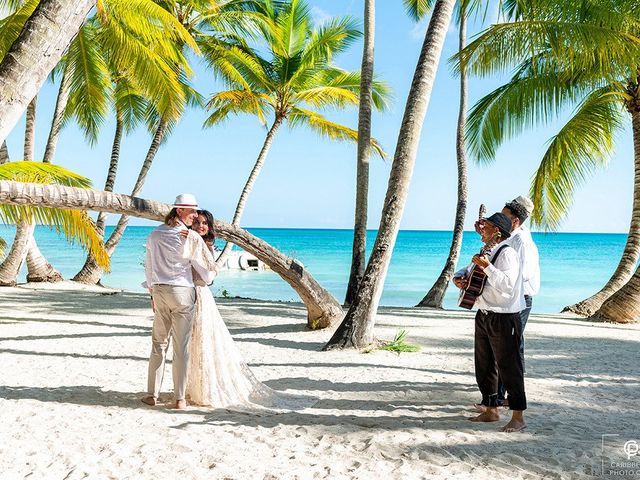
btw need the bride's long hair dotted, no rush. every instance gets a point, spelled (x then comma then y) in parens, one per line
(211, 234)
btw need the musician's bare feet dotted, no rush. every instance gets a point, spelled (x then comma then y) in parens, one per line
(150, 400)
(516, 424)
(478, 407)
(491, 414)
(180, 404)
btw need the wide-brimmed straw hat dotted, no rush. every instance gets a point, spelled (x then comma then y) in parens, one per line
(186, 200)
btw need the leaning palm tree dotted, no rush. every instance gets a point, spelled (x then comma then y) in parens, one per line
(289, 84)
(322, 308)
(565, 56)
(356, 329)
(49, 29)
(74, 224)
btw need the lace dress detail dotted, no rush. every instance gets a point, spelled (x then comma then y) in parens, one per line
(217, 375)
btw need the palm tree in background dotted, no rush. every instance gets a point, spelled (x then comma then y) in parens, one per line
(74, 224)
(289, 84)
(579, 54)
(139, 42)
(356, 329)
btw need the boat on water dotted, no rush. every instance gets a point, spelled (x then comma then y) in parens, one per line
(241, 260)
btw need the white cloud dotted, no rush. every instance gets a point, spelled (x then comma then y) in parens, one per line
(319, 16)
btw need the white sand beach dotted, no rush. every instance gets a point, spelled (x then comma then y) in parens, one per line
(74, 369)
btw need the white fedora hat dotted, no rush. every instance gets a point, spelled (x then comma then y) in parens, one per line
(186, 200)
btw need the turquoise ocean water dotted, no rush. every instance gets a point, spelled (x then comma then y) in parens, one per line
(573, 265)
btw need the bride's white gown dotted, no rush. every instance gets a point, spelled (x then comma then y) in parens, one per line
(217, 375)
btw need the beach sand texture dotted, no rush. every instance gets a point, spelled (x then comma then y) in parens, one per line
(74, 367)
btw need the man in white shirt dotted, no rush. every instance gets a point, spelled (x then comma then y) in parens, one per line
(497, 325)
(518, 210)
(170, 281)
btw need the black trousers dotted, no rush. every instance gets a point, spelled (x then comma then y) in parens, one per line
(497, 352)
(524, 316)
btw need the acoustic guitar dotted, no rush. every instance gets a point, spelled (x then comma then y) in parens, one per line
(476, 279)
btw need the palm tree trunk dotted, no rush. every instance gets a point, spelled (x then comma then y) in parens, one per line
(91, 273)
(323, 310)
(12, 264)
(10, 268)
(624, 305)
(4, 153)
(631, 252)
(356, 330)
(58, 116)
(30, 131)
(435, 296)
(38, 48)
(358, 254)
(38, 269)
(257, 167)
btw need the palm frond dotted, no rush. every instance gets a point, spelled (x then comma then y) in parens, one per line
(11, 26)
(329, 129)
(75, 225)
(417, 9)
(583, 144)
(235, 102)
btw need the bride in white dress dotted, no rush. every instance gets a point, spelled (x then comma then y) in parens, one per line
(217, 375)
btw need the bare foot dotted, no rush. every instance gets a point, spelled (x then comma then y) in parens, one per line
(180, 404)
(478, 407)
(514, 425)
(150, 400)
(489, 415)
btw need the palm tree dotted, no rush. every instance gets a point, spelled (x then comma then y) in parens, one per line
(323, 310)
(40, 45)
(358, 255)
(565, 56)
(356, 329)
(296, 79)
(75, 224)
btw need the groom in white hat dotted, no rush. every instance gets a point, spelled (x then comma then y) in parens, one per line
(170, 282)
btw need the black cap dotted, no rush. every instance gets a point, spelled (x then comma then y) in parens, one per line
(501, 221)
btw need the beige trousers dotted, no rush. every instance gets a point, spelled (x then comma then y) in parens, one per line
(174, 309)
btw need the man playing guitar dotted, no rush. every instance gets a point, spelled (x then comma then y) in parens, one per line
(497, 324)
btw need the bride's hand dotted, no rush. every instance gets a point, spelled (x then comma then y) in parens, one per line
(184, 233)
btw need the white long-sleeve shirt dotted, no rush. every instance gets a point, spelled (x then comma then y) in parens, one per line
(502, 292)
(167, 261)
(523, 244)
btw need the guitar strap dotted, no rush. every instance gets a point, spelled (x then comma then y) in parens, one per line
(494, 259)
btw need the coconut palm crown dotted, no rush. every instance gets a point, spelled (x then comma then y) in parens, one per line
(290, 74)
(580, 54)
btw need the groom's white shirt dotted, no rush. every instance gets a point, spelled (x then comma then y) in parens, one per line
(165, 262)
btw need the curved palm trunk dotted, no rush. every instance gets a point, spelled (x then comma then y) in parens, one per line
(38, 268)
(358, 254)
(91, 272)
(323, 310)
(4, 153)
(356, 330)
(38, 48)
(12, 264)
(624, 305)
(631, 252)
(10, 268)
(257, 167)
(58, 116)
(435, 296)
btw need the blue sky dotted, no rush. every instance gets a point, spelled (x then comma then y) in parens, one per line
(308, 181)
